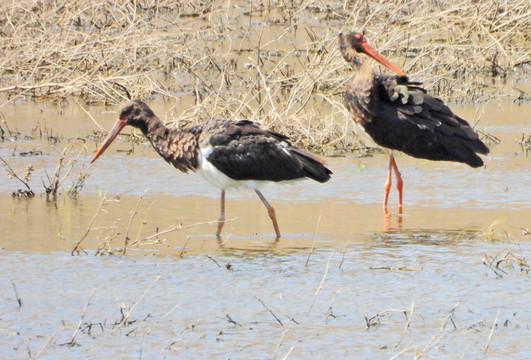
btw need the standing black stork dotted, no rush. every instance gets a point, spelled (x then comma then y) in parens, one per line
(228, 154)
(400, 115)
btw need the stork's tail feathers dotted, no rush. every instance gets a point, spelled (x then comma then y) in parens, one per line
(313, 166)
(465, 151)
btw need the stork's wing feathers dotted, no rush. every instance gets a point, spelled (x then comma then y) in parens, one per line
(415, 105)
(244, 151)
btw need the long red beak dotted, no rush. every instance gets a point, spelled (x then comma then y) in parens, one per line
(118, 126)
(367, 49)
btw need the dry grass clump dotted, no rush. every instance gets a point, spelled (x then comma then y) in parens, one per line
(24, 180)
(66, 169)
(505, 263)
(272, 62)
(502, 230)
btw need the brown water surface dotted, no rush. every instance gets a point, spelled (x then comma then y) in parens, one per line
(344, 281)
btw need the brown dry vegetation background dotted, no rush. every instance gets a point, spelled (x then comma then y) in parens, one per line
(275, 62)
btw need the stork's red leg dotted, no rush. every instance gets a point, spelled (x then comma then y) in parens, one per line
(399, 181)
(270, 211)
(388, 182)
(221, 220)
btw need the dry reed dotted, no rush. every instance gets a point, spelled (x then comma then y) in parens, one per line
(27, 193)
(272, 62)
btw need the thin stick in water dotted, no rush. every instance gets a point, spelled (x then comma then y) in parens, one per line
(320, 285)
(486, 347)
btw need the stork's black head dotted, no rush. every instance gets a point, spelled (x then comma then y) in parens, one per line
(135, 113)
(350, 43)
(353, 43)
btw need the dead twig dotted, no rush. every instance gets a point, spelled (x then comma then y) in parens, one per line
(55, 181)
(374, 321)
(72, 341)
(450, 317)
(320, 284)
(271, 312)
(505, 262)
(25, 181)
(400, 268)
(19, 299)
(314, 240)
(494, 326)
(135, 212)
(407, 324)
(284, 333)
(77, 248)
(124, 321)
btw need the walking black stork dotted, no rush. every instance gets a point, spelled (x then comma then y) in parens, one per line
(228, 154)
(401, 115)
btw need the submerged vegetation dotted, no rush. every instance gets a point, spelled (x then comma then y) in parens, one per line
(65, 169)
(24, 180)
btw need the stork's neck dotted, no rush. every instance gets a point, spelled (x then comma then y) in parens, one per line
(154, 130)
(176, 146)
(364, 72)
(360, 91)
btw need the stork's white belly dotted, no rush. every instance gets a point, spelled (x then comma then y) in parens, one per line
(218, 179)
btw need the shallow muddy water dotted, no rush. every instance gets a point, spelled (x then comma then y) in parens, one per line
(344, 281)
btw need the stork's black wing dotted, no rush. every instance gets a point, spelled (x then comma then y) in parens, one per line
(427, 127)
(244, 151)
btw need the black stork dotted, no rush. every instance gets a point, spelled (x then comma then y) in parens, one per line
(228, 154)
(401, 115)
